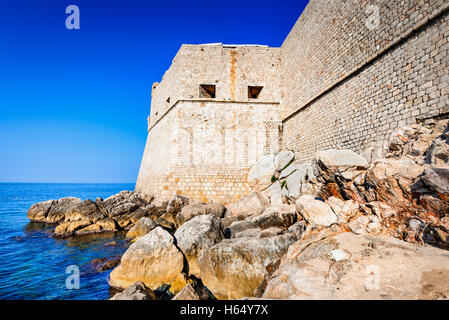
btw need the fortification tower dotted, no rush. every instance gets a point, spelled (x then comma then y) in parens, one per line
(214, 113)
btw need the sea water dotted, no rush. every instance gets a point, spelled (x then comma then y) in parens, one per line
(33, 264)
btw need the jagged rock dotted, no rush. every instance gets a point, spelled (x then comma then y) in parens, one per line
(123, 204)
(276, 192)
(76, 217)
(251, 233)
(287, 171)
(137, 291)
(261, 173)
(377, 268)
(298, 183)
(141, 228)
(344, 210)
(187, 293)
(174, 207)
(382, 210)
(276, 216)
(251, 205)
(108, 264)
(52, 211)
(374, 228)
(437, 179)
(438, 153)
(359, 224)
(283, 159)
(153, 259)
(194, 290)
(298, 229)
(340, 158)
(234, 268)
(316, 211)
(104, 225)
(60, 207)
(177, 203)
(282, 216)
(197, 235)
(196, 209)
(240, 226)
(392, 179)
(179, 282)
(270, 232)
(38, 211)
(81, 216)
(140, 213)
(167, 221)
(227, 221)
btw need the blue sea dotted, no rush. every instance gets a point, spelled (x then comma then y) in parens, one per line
(33, 264)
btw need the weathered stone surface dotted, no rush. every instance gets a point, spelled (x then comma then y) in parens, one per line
(104, 225)
(438, 153)
(287, 171)
(187, 293)
(261, 173)
(270, 232)
(251, 205)
(437, 179)
(197, 235)
(227, 221)
(358, 225)
(104, 264)
(176, 203)
(137, 291)
(75, 217)
(52, 211)
(344, 210)
(141, 228)
(60, 207)
(252, 232)
(298, 229)
(276, 192)
(340, 158)
(316, 211)
(283, 159)
(153, 259)
(81, 216)
(38, 212)
(375, 268)
(282, 216)
(123, 203)
(300, 181)
(196, 209)
(234, 268)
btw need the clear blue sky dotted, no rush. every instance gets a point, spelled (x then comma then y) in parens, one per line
(74, 103)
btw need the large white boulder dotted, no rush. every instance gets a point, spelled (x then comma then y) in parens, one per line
(196, 235)
(337, 158)
(261, 173)
(316, 211)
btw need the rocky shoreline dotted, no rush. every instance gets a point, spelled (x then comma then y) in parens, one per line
(343, 226)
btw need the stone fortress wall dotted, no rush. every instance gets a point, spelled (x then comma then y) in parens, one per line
(348, 74)
(201, 146)
(347, 81)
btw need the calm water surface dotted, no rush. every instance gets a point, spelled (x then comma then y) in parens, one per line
(32, 263)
